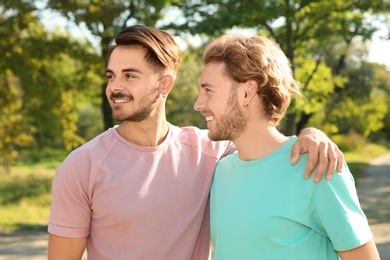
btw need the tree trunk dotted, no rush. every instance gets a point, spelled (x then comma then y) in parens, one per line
(301, 123)
(108, 121)
(106, 109)
(7, 166)
(291, 127)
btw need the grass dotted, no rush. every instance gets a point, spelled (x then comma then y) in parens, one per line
(25, 193)
(358, 159)
(25, 196)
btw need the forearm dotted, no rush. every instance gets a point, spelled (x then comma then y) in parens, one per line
(367, 251)
(66, 248)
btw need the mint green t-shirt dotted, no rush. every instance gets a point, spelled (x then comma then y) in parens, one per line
(266, 209)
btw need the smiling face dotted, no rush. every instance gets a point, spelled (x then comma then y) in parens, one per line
(133, 84)
(218, 103)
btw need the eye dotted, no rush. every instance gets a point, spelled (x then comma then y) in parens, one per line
(110, 76)
(129, 76)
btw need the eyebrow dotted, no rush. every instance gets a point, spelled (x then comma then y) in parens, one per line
(125, 70)
(205, 85)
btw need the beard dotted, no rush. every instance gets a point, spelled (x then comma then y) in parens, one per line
(231, 124)
(146, 107)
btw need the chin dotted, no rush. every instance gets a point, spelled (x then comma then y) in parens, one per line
(216, 138)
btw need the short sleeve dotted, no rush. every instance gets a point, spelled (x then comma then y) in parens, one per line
(70, 210)
(337, 210)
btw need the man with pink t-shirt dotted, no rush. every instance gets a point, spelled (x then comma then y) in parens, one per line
(140, 190)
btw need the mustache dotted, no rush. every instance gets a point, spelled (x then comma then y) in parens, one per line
(121, 95)
(206, 112)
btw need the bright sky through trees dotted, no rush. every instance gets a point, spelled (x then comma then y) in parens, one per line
(379, 51)
(379, 48)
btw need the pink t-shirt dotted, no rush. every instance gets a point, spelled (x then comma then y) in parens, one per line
(138, 202)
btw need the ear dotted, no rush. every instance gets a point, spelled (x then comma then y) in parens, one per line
(250, 90)
(166, 84)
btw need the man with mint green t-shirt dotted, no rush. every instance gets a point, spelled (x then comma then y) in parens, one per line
(260, 208)
(259, 211)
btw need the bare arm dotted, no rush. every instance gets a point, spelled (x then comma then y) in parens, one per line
(66, 248)
(322, 153)
(367, 251)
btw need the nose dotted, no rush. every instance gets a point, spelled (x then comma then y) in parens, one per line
(199, 103)
(114, 84)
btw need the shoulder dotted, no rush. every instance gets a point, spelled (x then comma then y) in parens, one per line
(339, 183)
(94, 150)
(337, 194)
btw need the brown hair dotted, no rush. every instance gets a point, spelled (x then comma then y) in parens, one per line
(162, 51)
(257, 58)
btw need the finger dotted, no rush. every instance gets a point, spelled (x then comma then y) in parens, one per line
(295, 152)
(340, 160)
(322, 162)
(332, 164)
(313, 160)
(321, 168)
(310, 168)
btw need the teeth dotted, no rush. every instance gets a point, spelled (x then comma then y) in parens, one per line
(121, 101)
(209, 118)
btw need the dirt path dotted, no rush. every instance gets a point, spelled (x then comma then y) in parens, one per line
(373, 189)
(374, 193)
(23, 245)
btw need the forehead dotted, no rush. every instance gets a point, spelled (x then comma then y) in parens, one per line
(214, 74)
(127, 56)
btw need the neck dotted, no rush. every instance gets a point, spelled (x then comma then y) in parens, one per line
(258, 141)
(150, 132)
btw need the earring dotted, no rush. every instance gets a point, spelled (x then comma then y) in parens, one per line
(246, 105)
(164, 95)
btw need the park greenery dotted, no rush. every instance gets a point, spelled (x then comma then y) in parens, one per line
(52, 82)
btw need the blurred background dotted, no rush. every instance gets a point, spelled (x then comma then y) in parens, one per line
(53, 56)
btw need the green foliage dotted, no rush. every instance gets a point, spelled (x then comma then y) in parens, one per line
(48, 156)
(68, 123)
(362, 104)
(300, 27)
(358, 159)
(41, 75)
(90, 122)
(180, 102)
(316, 85)
(52, 85)
(14, 190)
(14, 129)
(350, 142)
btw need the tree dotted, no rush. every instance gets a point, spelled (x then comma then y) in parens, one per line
(14, 129)
(364, 101)
(293, 24)
(15, 126)
(40, 73)
(180, 101)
